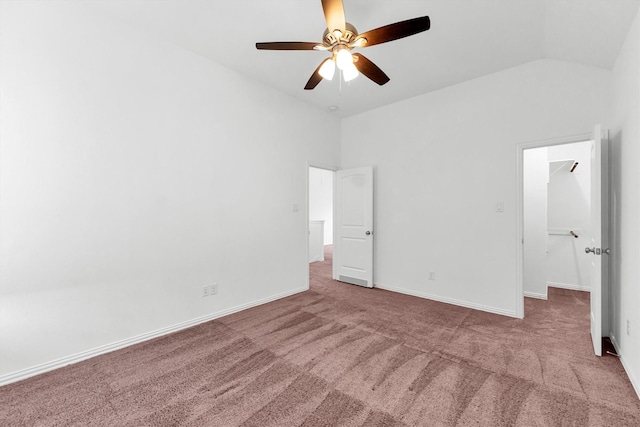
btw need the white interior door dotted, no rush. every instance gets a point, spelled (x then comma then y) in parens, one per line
(353, 240)
(598, 249)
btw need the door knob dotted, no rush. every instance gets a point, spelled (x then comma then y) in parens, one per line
(368, 233)
(587, 250)
(606, 251)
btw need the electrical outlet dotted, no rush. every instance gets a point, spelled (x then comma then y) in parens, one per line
(432, 275)
(208, 290)
(628, 327)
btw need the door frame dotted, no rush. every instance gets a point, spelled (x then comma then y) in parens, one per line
(520, 207)
(325, 166)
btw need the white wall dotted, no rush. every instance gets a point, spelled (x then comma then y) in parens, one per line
(569, 208)
(535, 178)
(321, 200)
(625, 201)
(442, 162)
(133, 173)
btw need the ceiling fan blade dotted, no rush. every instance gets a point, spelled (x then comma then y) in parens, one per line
(287, 45)
(396, 31)
(315, 78)
(334, 15)
(370, 69)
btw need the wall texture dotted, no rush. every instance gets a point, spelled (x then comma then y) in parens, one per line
(321, 200)
(133, 173)
(625, 202)
(535, 174)
(445, 159)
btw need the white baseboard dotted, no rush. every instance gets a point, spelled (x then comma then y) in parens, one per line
(535, 295)
(84, 355)
(555, 285)
(625, 365)
(438, 298)
(568, 286)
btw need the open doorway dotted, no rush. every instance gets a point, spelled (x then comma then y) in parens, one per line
(341, 218)
(537, 240)
(557, 218)
(321, 220)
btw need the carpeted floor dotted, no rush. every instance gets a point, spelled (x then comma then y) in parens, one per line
(342, 355)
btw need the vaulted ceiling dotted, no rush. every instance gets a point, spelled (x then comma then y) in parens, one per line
(467, 39)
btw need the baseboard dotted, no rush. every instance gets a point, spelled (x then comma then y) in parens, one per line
(535, 295)
(568, 286)
(625, 365)
(438, 298)
(84, 355)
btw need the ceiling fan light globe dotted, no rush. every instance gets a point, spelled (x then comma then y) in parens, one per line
(344, 59)
(327, 69)
(349, 73)
(359, 42)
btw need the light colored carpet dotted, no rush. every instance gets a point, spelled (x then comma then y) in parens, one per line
(342, 355)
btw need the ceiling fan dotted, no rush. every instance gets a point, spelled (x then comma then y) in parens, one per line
(341, 37)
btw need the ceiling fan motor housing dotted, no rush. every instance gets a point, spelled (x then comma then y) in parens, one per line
(349, 35)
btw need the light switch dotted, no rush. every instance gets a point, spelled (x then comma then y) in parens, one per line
(500, 207)
(295, 207)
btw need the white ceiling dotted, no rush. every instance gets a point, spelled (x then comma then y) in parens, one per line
(467, 39)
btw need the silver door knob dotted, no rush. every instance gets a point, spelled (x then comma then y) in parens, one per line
(592, 250)
(606, 251)
(368, 233)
